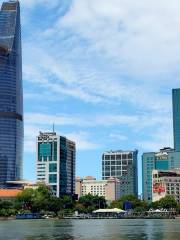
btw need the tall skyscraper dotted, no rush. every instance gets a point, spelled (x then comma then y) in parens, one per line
(123, 166)
(165, 159)
(176, 118)
(56, 157)
(11, 95)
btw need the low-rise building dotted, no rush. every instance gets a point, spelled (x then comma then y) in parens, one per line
(21, 184)
(165, 183)
(8, 194)
(107, 188)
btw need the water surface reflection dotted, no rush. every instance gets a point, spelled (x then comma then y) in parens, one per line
(90, 230)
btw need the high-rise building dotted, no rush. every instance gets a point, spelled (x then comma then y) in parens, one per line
(11, 95)
(123, 166)
(56, 163)
(176, 118)
(165, 159)
(109, 189)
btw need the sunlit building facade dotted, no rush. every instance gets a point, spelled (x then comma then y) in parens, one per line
(123, 166)
(165, 183)
(11, 94)
(176, 118)
(165, 159)
(56, 157)
(109, 189)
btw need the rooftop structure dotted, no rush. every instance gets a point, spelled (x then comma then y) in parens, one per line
(9, 193)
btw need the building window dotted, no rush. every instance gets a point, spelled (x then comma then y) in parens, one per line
(52, 167)
(107, 157)
(107, 163)
(55, 151)
(52, 178)
(45, 149)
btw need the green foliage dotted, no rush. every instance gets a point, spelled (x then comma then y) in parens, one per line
(7, 208)
(6, 204)
(139, 209)
(90, 203)
(116, 204)
(178, 207)
(167, 202)
(135, 202)
(41, 200)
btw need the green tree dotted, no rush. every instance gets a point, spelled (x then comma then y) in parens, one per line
(80, 207)
(168, 202)
(6, 204)
(135, 202)
(26, 199)
(34, 200)
(116, 204)
(91, 202)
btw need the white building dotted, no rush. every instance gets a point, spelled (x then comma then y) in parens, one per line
(165, 182)
(56, 163)
(107, 188)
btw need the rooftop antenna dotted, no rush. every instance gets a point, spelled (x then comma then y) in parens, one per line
(53, 127)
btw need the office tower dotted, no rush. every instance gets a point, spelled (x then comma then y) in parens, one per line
(56, 163)
(165, 182)
(176, 118)
(165, 159)
(109, 189)
(11, 96)
(122, 165)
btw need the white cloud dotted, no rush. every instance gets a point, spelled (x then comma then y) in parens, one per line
(126, 54)
(117, 52)
(138, 122)
(45, 3)
(118, 136)
(142, 36)
(82, 141)
(157, 139)
(81, 138)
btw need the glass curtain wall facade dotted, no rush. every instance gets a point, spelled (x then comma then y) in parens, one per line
(176, 118)
(56, 163)
(11, 95)
(165, 159)
(123, 166)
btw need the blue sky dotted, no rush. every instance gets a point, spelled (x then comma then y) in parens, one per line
(102, 71)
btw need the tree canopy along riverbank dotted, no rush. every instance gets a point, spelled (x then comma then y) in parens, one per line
(41, 201)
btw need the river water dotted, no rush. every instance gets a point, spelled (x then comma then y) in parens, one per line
(110, 229)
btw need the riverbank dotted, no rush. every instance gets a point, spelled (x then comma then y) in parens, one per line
(7, 218)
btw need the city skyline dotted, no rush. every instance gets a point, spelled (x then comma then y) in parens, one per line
(97, 72)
